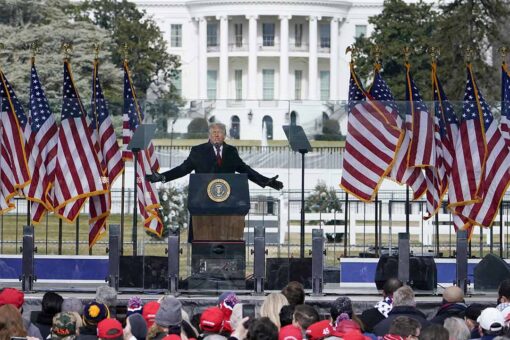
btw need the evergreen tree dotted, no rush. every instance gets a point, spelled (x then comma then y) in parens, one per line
(323, 199)
(46, 21)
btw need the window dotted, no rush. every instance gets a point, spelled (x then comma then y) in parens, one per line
(267, 128)
(177, 82)
(238, 79)
(268, 34)
(325, 34)
(238, 34)
(293, 118)
(212, 34)
(175, 35)
(212, 76)
(267, 84)
(298, 35)
(235, 127)
(360, 30)
(324, 75)
(298, 78)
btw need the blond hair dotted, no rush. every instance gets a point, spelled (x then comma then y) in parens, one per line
(272, 306)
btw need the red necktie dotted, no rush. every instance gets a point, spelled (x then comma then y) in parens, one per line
(218, 154)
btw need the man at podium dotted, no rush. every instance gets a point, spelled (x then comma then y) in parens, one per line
(215, 156)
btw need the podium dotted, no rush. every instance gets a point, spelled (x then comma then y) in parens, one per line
(218, 204)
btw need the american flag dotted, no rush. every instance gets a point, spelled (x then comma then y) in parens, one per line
(400, 172)
(505, 103)
(470, 149)
(78, 171)
(15, 173)
(495, 175)
(42, 148)
(109, 154)
(422, 151)
(148, 201)
(372, 140)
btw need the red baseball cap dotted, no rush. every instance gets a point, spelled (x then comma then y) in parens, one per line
(109, 329)
(211, 320)
(290, 332)
(149, 312)
(319, 330)
(172, 337)
(12, 296)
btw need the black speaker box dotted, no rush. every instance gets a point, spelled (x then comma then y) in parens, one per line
(147, 272)
(218, 265)
(489, 272)
(280, 271)
(422, 271)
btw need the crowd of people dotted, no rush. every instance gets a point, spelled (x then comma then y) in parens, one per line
(282, 316)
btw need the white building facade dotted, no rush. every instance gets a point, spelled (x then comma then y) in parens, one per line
(257, 64)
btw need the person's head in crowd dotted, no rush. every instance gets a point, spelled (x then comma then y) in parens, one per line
(51, 303)
(226, 303)
(272, 306)
(106, 295)
(342, 305)
(504, 291)
(319, 330)
(110, 329)
(294, 292)
(65, 326)
(72, 304)
(491, 322)
(286, 315)
(453, 294)
(236, 316)
(94, 312)
(304, 316)
(262, 329)
(457, 328)
(434, 332)
(11, 322)
(347, 327)
(211, 320)
(471, 314)
(134, 305)
(405, 327)
(404, 296)
(136, 328)
(169, 314)
(390, 286)
(149, 311)
(290, 332)
(12, 296)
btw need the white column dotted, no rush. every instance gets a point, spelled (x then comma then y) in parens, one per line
(284, 57)
(223, 57)
(334, 61)
(202, 58)
(252, 57)
(312, 58)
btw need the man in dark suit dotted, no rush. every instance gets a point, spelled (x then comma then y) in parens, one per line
(215, 156)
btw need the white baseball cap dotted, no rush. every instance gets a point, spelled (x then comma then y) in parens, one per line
(491, 320)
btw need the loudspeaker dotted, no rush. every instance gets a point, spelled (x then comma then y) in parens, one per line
(422, 271)
(218, 265)
(490, 272)
(147, 272)
(280, 271)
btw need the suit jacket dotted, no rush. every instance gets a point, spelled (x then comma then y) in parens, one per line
(202, 159)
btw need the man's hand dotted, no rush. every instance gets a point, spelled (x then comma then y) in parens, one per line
(155, 177)
(273, 183)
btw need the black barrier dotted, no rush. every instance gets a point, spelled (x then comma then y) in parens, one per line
(422, 271)
(259, 259)
(461, 279)
(113, 256)
(403, 257)
(173, 252)
(27, 263)
(317, 261)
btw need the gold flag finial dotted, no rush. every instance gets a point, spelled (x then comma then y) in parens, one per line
(407, 52)
(67, 48)
(353, 50)
(96, 50)
(503, 50)
(125, 49)
(469, 54)
(34, 49)
(377, 51)
(434, 53)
